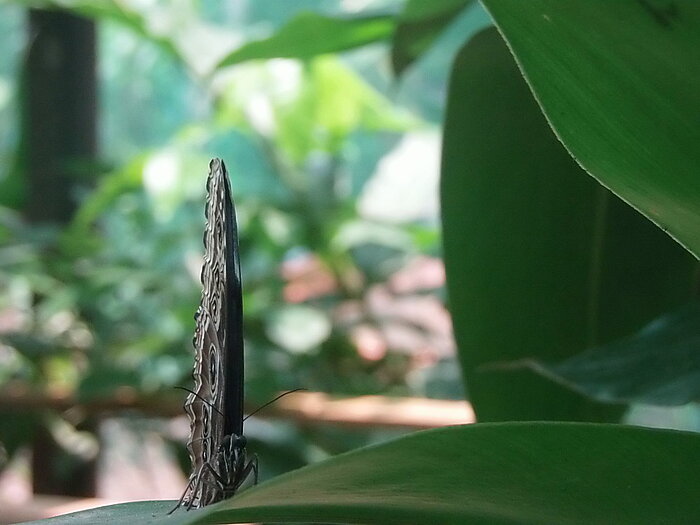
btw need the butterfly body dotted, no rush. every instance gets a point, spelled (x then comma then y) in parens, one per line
(215, 406)
(234, 465)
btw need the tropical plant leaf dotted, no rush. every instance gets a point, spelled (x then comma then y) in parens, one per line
(310, 34)
(541, 260)
(618, 82)
(420, 23)
(489, 473)
(659, 365)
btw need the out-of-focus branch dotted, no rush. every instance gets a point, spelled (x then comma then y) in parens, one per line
(370, 411)
(303, 407)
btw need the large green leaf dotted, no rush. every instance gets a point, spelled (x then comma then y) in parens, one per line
(311, 34)
(541, 260)
(492, 473)
(619, 83)
(660, 365)
(420, 23)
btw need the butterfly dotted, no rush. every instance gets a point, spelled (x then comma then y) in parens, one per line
(217, 447)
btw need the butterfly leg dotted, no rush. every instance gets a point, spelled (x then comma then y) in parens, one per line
(253, 465)
(182, 498)
(198, 481)
(244, 471)
(221, 480)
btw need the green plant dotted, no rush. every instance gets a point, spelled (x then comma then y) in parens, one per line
(103, 308)
(541, 261)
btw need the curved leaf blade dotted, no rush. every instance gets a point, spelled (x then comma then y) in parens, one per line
(310, 34)
(118, 12)
(141, 512)
(659, 365)
(618, 82)
(541, 260)
(490, 473)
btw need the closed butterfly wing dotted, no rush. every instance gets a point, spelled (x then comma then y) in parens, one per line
(215, 406)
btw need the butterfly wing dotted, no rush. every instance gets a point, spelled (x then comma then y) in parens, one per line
(234, 378)
(215, 407)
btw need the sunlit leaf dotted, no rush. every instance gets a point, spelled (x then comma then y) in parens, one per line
(333, 101)
(310, 34)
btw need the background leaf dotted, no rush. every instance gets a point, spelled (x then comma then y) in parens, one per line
(311, 34)
(660, 365)
(618, 82)
(541, 260)
(118, 12)
(491, 473)
(420, 23)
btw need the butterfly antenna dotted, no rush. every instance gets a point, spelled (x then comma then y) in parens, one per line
(272, 401)
(195, 394)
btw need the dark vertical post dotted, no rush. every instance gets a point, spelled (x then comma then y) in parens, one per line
(60, 138)
(60, 111)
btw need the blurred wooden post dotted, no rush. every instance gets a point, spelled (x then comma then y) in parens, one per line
(60, 112)
(60, 137)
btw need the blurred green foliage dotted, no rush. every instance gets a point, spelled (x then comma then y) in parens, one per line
(541, 259)
(106, 302)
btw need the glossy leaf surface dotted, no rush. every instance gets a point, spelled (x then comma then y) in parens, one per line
(619, 83)
(542, 261)
(483, 474)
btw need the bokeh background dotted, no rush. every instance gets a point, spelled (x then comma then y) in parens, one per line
(334, 166)
(329, 115)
